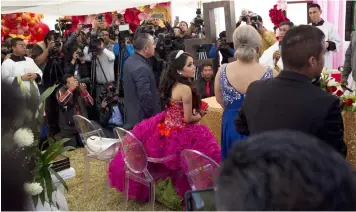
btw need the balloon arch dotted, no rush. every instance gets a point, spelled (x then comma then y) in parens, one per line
(29, 26)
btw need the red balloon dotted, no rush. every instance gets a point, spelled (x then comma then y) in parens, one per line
(24, 22)
(13, 31)
(45, 29)
(26, 33)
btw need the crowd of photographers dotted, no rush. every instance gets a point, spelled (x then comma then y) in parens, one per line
(90, 65)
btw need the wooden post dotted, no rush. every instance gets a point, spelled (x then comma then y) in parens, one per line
(191, 45)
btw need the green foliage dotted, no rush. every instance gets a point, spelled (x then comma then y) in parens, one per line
(32, 117)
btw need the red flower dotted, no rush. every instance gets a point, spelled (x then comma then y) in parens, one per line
(339, 93)
(348, 102)
(331, 89)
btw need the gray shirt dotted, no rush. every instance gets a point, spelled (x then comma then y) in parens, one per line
(107, 59)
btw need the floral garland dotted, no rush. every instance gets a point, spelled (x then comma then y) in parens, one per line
(330, 85)
(277, 15)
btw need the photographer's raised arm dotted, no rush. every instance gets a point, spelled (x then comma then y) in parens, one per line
(109, 54)
(87, 55)
(63, 97)
(39, 55)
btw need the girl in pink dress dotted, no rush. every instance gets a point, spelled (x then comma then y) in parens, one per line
(170, 132)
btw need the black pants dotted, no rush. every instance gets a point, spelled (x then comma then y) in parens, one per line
(74, 137)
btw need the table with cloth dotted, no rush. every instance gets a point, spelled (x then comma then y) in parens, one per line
(214, 115)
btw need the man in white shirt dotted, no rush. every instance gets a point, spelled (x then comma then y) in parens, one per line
(20, 70)
(333, 40)
(272, 56)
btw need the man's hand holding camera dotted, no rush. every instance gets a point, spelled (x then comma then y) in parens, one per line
(76, 57)
(83, 87)
(104, 103)
(51, 45)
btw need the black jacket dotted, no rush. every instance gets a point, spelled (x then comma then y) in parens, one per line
(291, 101)
(141, 96)
(82, 69)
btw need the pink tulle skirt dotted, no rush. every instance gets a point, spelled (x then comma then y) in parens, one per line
(193, 136)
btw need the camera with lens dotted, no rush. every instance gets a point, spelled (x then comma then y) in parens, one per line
(109, 94)
(198, 20)
(80, 54)
(85, 80)
(54, 52)
(95, 45)
(149, 28)
(254, 22)
(223, 41)
(63, 24)
(166, 40)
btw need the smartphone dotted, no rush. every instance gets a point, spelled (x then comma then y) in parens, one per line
(200, 200)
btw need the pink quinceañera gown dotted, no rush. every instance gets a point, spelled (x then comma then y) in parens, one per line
(166, 134)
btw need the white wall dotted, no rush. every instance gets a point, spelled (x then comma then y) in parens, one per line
(50, 20)
(186, 10)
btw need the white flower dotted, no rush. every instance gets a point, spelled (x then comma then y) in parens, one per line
(33, 188)
(24, 137)
(354, 104)
(332, 82)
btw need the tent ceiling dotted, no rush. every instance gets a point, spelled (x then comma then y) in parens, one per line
(81, 7)
(70, 7)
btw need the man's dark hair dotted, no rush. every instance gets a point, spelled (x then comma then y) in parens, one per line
(285, 170)
(14, 41)
(222, 34)
(257, 18)
(49, 36)
(314, 5)
(141, 40)
(289, 23)
(299, 44)
(103, 30)
(65, 78)
(206, 64)
(7, 37)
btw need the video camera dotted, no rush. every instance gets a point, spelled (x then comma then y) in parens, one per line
(198, 21)
(54, 52)
(95, 45)
(149, 28)
(254, 23)
(110, 93)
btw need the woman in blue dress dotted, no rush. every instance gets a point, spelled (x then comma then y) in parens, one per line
(233, 79)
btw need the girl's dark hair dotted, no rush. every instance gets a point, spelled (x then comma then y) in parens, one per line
(171, 76)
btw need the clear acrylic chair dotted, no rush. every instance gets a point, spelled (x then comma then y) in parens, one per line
(199, 168)
(97, 147)
(136, 162)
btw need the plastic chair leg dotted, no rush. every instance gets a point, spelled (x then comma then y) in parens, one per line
(86, 174)
(106, 183)
(152, 195)
(126, 191)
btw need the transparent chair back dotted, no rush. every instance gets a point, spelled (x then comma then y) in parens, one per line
(135, 158)
(199, 168)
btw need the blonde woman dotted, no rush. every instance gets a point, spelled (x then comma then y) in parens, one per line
(233, 79)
